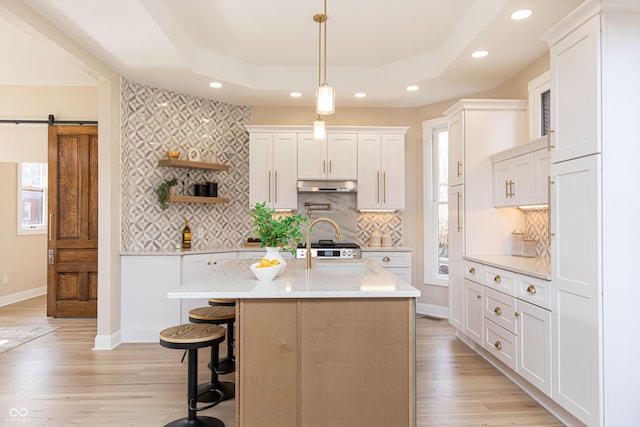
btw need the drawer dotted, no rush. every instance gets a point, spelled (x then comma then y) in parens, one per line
(500, 280)
(389, 259)
(401, 272)
(501, 343)
(500, 309)
(533, 290)
(472, 271)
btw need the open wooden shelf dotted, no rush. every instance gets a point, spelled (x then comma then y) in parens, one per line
(194, 199)
(187, 164)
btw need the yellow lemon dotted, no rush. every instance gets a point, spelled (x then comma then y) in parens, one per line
(265, 262)
(275, 262)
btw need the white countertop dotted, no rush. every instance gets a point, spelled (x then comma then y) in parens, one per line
(235, 280)
(536, 267)
(219, 249)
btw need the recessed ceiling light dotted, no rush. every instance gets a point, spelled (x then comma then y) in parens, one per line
(215, 85)
(295, 94)
(360, 95)
(480, 54)
(521, 14)
(413, 88)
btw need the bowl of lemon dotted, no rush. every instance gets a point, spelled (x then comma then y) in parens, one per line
(267, 269)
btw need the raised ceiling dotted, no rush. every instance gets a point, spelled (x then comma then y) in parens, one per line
(261, 51)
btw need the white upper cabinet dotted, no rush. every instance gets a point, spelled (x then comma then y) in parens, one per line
(273, 169)
(380, 171)
(334, 157)
(576, 93)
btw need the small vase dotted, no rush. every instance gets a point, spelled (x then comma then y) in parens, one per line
(274, 253)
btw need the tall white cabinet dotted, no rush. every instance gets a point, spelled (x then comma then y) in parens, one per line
(478, 128)
(595, 64)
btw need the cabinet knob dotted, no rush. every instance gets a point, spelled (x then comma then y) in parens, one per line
(531, 290)
(498, 345)
(497, 279)
(209, 263)
(478, 296)
(517, 313)
(386, 259)
(497, 311)
(472, 270)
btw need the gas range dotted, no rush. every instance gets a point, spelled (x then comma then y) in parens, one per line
(330, 250)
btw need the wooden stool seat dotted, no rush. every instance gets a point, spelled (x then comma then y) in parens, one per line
(212, 313)
(222, 301)
(191, 337)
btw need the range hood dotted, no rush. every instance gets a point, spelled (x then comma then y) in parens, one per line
(327, 186)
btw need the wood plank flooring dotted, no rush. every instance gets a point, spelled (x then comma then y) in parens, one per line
(59, 380)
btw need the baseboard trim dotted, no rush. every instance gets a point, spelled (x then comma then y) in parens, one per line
(107, 342)
(545, 401)
(22, 296)
(430, 310)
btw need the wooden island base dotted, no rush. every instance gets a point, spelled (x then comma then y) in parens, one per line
(325, 362)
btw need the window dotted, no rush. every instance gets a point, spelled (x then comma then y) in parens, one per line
(32, 198)
(539, 105)
(436, 207)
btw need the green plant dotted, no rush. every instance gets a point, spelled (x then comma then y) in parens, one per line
(163, 191)
(276, 230)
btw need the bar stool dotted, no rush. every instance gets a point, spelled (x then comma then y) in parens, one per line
(215, 315)
(191, 337)
(227, 364)
(222, 301)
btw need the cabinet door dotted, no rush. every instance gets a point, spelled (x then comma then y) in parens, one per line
(312, 157)
(523, 187)
(285, 171)
(473, 319)
(456, 150)
(534, 353)
(368, 196)
(576, 217)
(342, 155)
(502, 176)
(575, 124)
(259, 168)
(542, 171)
(456, 291)
(392, 166)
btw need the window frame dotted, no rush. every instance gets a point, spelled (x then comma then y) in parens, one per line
(431, 274)
(39, 229)
(537, 87)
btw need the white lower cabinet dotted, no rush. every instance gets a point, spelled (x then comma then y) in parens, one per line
(194, 266)
(397, 263)
(513, 313)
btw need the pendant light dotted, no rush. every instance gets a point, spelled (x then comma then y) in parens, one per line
(318, 128)
(325, 95)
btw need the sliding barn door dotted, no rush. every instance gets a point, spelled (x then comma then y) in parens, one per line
(72, 275)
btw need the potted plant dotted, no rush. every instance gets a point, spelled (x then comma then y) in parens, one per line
(276, 231)
(164, 190)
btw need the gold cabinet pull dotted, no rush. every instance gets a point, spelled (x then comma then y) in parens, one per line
(512, 192)
(386, 259)
(506, 189)
(497, 279)
(549, 145)
(459, 213)
(472, 270)
(531, 290)
(459, 169)
(498, 345)
(549, 182)
(384, 186)
(269, 180)
(275, 186)
(517, 314)
(324, 166)
(497, 311)
(330, 166)
(378, 181)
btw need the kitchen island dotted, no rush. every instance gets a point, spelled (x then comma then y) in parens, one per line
(334, 345)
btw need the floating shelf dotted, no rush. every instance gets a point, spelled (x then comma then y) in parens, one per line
(194, 199)
(187, 164)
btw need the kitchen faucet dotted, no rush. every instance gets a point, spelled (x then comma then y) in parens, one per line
(338, 236)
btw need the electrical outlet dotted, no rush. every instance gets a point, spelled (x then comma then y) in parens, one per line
(5, 279)
(199, 233)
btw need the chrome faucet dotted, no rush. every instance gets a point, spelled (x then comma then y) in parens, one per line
(338, 236)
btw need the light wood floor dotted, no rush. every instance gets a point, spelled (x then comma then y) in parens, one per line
(60, 381)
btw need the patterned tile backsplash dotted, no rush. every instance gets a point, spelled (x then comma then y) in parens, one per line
(154, 121)
(537, 225)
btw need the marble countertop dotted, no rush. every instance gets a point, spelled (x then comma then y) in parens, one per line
(327, 279)
(536, 267)
(220, 249)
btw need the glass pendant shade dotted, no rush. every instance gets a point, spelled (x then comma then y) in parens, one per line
(325, 100)
(318, 129)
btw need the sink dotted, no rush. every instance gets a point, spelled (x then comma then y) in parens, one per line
(346, 269)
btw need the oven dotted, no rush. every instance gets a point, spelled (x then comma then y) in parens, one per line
(328, 249)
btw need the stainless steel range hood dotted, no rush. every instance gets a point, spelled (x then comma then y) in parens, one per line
(327, 186)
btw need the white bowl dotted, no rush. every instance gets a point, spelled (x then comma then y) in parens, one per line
(265, 274)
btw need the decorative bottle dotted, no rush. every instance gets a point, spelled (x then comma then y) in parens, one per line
(186, 236)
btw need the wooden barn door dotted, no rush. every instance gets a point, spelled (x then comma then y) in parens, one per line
(72, 274)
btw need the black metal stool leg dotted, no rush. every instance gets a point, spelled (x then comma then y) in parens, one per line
(215, 389)
(228, 364)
